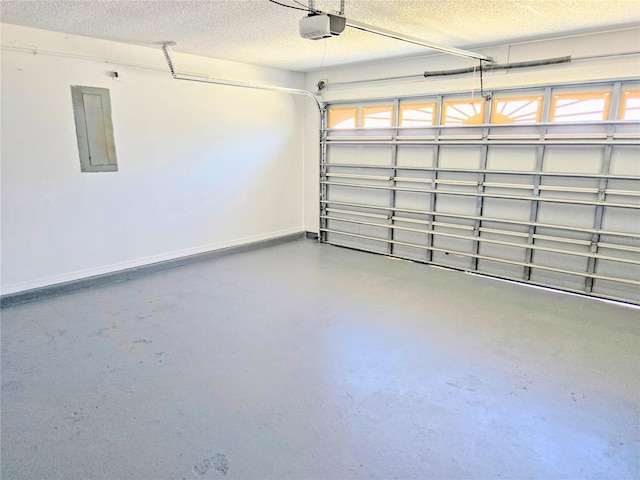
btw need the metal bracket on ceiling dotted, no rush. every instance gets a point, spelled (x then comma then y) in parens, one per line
(167, 56)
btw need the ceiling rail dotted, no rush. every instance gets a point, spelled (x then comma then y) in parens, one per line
(416, 41)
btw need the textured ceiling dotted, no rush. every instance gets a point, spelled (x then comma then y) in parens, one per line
(263, 33)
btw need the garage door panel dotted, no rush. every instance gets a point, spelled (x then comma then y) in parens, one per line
(617, 290)
(457, 182)
(365, 196)
(554, 203)
(518, 210)
(456, 204)
(501, 269)
(562, 239)
(623, 191)
(357, 243)
(353, 234)
(623, 246)
(567, 281)
(342, 194)
(459, 157)
(342, 154)
(625, 160)
(501, 251)
(510, 231)
(625, 271)
(557, 249)
(510, 253)
(354, 211)
(573, 159)
(512, 158)
(420, 175)
(412, 187)
(361, 171)
(414, 156)
(451, 260)
(410, 253)
(524, 191)
(371, 231)
(624, 220)
(448, 229)
(522, 181)
(413, 201)
(344, 225)
(414, 238)
(359, 154)
(454, 245)
(567, 214)
(561, 261)
(580, 189)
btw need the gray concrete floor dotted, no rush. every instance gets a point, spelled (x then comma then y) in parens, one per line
(306, 361)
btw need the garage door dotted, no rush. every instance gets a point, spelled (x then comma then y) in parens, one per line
(536, 185)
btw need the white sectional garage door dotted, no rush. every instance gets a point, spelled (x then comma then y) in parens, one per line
(539, 185)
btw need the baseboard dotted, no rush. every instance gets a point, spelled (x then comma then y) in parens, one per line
(125, 274)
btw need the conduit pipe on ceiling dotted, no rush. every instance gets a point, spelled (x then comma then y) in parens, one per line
(35, 50)
(233, 83)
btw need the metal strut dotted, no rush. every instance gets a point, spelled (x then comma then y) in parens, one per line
(481, 81)
(233, 83)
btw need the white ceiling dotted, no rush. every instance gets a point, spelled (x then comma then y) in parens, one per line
(263, 33)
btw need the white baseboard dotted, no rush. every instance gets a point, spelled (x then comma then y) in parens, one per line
(76, 275)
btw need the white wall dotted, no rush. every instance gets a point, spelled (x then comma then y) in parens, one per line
(200, 166)
(596, 44)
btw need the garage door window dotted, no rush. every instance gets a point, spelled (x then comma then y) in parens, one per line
(517, 110)
(580, 107)
(417, 114)
(343, 117)
(377, 116)
(463, 112)
(630, 105)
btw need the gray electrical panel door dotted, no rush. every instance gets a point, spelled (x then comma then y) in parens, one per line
(94, 130)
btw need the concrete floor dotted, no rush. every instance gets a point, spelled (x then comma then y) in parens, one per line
(307, 361)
